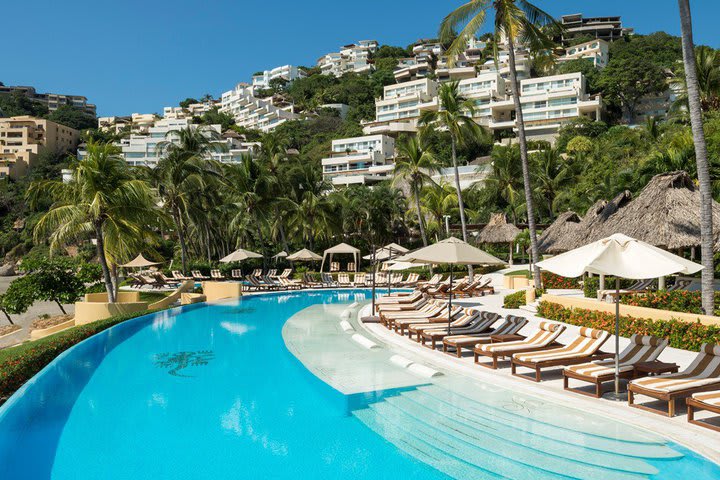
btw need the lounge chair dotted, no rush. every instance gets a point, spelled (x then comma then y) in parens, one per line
(268, 280)
(679, 285)
(399, 300)
(381, 279)
(286, 273)
(334, 266)
(359, 280)
(583, 348)
(288, 284)
(343, 279)
(709, 401)
(179, 276)
(351, 267)
(434, 280)
(637, 287)
(411, 280)
(309, 282)
(544, 339)
(483, 323)
(272, 272)
(456, 315)
(236, 274)
(257, 272)
(328, 280)
(440, 290)
(465, 289)
(199, 276)
(483, 288)
(642, 348)
(431, 309)
(460, 318)
(511, 326)
(151, 281)
(216, 275)
(701, 376)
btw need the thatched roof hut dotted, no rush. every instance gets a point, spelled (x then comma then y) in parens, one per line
(553, 236)
(666, 214)
(499, 231)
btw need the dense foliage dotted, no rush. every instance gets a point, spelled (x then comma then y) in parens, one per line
(676, 301)
(681, 334)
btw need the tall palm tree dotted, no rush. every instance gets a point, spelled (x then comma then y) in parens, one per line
(454, 115)
(438, 201)
(701, 158)
(503, 182)
(415, 166)
(551, 175)
(103, 201)
(513, 20)
(182, 172)
(707, 66)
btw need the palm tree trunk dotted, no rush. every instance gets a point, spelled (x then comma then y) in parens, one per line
(524, 161)
(100, 246)
(419, 214)
(701, 158)
(281, 228)
(181, 239)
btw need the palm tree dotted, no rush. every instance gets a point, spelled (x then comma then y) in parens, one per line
(551, 175)
(438, 201)
(182, 172)
(707, 65)
(104, 201)
(454, 115)
(513, 20)
(701, 158)
(503, 182)
(415, 166)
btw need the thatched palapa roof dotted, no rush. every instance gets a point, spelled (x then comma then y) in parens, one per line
(498, 230)
(666, 214)
(563, 226)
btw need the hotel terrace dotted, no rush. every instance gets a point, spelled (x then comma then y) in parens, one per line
(252, 112)
(359, 160)
(354, 57)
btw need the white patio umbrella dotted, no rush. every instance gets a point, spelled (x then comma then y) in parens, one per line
(304, 255)
(620, 256)
(280, 254)
(139, 262)
(239, 255)
(451, 251)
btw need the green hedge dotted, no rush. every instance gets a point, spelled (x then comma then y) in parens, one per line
(517, 299)
(19, 364)
(681, 334)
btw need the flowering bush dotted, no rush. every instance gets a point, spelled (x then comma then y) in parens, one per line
(550, 280)
(681, 334)
(515, 300)
(676, 301)
(19, 364)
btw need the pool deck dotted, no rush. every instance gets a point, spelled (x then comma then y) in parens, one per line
(677, 429)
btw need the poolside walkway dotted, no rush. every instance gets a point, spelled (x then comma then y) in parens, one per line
(677, 429)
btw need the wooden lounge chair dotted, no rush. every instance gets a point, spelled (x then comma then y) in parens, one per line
(309, 282)
(709, 401)
(402, 303)
(679, 285)
(288, 284)
(411, 280)
(427, 311)
(334, 266)
(328, 280)
(286, 273)
(272, 272)
(511, 326)
(343, 279)
(236, 274)
(381, 279)
(257, 272)
(642, 348)
(216, 275)
(701, 376)
(483, 324)
(440, 290)
(461, 318)
(638, 287)
(544, 339)
(359, 280)
(199, 276)
(402, 324)
(583, 348)
(179, 276)
(351, 267)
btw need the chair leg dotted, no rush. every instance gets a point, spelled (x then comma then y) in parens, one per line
(565, 382)
(458, 351)
(598, 389)
(671, 407)
(631, 397)
(690, 413)
(537, 374)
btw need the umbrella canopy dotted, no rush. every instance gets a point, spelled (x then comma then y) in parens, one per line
(139, 262)
(304, 255)
(621, 256)
(239, 255)
(395, 265)
(341, 248)
(281, 254)
(451, 251)
(383, 253)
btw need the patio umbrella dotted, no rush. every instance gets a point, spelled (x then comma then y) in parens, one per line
(620, 256)
(304, 255)
(239, 255)
(139, 262)
(281, 254)
(451, 251)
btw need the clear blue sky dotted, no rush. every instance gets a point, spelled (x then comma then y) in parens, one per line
(139, 56)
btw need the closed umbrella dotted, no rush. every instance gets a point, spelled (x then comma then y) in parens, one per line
(620, 256)
(239, 255)
(451, 251)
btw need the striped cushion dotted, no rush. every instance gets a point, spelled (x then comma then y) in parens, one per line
(643, 348)
(710, 398)
(705, 370)
(544, 337)
(586, 344)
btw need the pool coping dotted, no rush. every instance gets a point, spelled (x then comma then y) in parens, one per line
(674, 429)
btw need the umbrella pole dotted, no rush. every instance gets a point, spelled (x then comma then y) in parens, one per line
(450, 297)
(617, 337)
(389, 275)
(373, 280)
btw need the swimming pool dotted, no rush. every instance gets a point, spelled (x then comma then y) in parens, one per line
(212, 392)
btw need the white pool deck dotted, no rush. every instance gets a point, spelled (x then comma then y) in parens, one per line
(677, 429)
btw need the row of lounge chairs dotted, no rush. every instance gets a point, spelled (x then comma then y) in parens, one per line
(642, 286)
(419, 315)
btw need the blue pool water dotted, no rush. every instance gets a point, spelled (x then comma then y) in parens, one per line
(212, 392)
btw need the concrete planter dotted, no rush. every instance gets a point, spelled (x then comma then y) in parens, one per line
(516, 282)
(44, 332)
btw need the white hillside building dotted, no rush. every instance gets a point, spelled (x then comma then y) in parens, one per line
(359, 160)
(351, 58)
(399, 109)
(252, 112)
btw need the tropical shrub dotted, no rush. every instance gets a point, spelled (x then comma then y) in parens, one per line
(551, 280)
(514, 300)
(19, 364)
(681, 334)
(676, 301)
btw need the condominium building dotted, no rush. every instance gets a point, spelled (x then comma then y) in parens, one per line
(252, 112)
(192, 110)
(547, 104)
(52, 100)
(136, 123)
(359, 160)
(288, 73)
(414, 68)
(23, 138)
(501, 65)
(605, 28)
(597, 51)
(400, 107)
(355, 57)
(485, 91)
